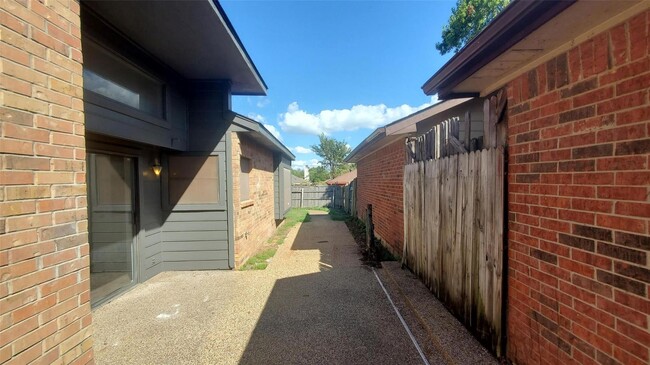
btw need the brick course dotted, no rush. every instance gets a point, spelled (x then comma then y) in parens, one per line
(254, 218)
(380, 178)
(579, 203)
(45, 311)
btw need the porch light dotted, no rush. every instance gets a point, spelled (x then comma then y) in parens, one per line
(157, 168)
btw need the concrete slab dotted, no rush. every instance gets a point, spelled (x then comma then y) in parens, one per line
(315, 303)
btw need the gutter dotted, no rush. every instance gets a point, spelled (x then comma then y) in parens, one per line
(517, 20)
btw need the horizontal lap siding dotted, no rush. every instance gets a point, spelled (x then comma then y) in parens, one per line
(379, 182)
(579, 208)
(196, 240)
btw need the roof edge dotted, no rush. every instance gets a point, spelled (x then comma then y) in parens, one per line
(516, 21)
(376, 134)
(222, 13)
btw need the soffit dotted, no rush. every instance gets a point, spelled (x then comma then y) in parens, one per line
(195, 38)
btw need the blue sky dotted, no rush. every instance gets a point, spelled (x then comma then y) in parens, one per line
(339, 67)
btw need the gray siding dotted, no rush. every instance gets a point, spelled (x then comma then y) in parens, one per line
(151, 219)
(198, 239)
(282, 202)
(109, 118)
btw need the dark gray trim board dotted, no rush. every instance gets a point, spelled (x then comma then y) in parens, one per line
(230, 197)
(261, 134)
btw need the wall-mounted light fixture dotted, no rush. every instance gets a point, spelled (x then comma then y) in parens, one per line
(157, 168)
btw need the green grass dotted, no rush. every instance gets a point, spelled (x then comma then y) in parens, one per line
(259, 261)
(293, 217)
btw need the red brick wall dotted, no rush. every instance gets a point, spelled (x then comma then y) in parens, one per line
(379, 182)
(44, 277)
(579, 207)
(254, 218)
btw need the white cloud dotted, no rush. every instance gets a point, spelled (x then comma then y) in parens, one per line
(271, 128)
(301, 163)
(263, 102)
(296, 120)
(301, 149)
(274, 131)
(258, 117)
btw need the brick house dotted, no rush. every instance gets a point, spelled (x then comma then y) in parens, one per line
(381, 157)
(121, 159)
(578, 125)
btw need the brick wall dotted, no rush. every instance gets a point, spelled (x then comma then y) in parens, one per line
(44, 290)
(379, 182)
(254, 218)
(579, 207)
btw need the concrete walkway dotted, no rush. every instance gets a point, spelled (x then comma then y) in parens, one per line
(316, 303)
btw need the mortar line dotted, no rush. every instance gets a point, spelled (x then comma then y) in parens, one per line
(406, 327)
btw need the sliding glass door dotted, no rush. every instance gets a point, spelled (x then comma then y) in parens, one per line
(112, 225)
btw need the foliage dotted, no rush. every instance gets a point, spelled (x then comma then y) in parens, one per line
(318, 174)
(343, 168)
(337, 214)
(298, 173)
(333, 153)
(467, 19)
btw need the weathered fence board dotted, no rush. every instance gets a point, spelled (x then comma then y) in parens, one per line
(343, 197)
(453, 234)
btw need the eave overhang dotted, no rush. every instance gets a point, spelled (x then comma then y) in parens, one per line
(260, 134)
(195, 38)
(525, 35)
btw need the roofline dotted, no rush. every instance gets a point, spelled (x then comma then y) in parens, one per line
(256, 126)
(381, 132)
(377, 133)
(240, 45)
(515, 22)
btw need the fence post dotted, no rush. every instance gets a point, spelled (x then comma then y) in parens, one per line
(370, 235)
(302, 194)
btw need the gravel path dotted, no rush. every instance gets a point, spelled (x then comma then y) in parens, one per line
(314, 304)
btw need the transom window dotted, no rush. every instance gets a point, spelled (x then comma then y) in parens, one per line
(114, 78)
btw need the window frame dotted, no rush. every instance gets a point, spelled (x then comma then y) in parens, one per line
(221, 171)
(120, 110)
(245, 202)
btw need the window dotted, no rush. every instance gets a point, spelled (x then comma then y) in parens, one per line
(244, 183)
(110, 76)
(193, 180)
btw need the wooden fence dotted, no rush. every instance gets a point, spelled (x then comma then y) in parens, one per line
(343, 197)
(453, 235)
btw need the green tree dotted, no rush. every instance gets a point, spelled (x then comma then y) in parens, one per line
(467, 19)
(318, 174)
(332, 153)
(298, 173)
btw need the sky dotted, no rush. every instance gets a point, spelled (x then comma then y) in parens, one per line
(342, 68)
